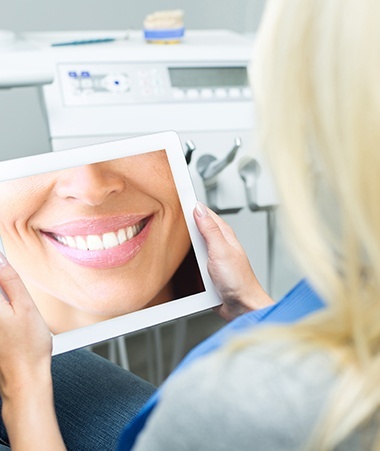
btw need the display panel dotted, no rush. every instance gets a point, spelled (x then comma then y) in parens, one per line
(208, 77)
(103, 237)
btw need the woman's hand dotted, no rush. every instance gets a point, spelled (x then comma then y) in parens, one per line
(25, 376)
(229, 267)
(25, 341)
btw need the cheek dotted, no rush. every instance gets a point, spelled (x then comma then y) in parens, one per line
(20, 199)
(179, 238)
(12, 230)
(11, 208)
(20, 240)
(15, 225)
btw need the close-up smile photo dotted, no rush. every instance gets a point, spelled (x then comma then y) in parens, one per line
(102, 239)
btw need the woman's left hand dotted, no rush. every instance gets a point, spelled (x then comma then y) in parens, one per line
(229, 267)
(25, 376)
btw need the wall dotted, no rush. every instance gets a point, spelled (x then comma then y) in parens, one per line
(48, 15)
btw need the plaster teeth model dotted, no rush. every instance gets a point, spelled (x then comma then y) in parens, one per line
(164, 27)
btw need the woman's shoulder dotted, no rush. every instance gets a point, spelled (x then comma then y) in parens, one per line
(264, 395)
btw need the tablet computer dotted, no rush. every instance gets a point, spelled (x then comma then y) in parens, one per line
(104, 238)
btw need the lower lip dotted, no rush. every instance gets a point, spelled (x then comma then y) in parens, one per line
(107, 258)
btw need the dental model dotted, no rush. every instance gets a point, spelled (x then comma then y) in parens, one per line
(164, 27)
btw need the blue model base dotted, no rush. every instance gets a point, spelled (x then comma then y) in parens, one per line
(170, 34)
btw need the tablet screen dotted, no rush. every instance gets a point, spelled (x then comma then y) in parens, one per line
(104, 239)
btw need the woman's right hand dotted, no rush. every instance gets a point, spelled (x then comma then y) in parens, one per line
(229, 267)
(25, 376)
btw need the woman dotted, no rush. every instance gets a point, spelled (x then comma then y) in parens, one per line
(313, 384)
(84, 239)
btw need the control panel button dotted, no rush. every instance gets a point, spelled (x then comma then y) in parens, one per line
(144, 82)
(192, 93)
(206, 93)
(87, 92)
(146, 91)
(86, 83)
(220, 93)
(234, 92)
(178, 93)
(116, 83)
(247, 92)
(74, 82)
(156, 82)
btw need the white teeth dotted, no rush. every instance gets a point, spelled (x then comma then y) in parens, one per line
(81, 243)
(99, 242)
(110, 240)
(121, 236)
(71, 241)
(94, 243)
(130, 233)
(62, 240)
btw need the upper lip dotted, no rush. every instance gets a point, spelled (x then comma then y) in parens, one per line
(94, 226)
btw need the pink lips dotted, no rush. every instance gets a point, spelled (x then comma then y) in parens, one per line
(105, 258)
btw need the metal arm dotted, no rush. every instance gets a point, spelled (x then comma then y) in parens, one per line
(249, 170)
(209, 167)
(189, 152)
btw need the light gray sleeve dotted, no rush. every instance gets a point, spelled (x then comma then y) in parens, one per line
(260, 399)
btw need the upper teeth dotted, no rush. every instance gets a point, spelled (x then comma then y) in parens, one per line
(100, 242)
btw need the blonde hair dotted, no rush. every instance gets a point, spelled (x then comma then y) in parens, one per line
(316, 72)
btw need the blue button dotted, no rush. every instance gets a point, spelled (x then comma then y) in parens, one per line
(85, 74)
(73, 74)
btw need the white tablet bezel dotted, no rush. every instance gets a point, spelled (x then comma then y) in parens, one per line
(131, 322)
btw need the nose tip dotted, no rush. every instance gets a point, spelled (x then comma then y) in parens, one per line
(91, 184)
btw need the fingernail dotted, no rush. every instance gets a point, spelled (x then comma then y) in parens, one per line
(201, 210)
(3, 260)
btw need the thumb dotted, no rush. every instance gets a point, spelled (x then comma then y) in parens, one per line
(11, 285)
(209, 229)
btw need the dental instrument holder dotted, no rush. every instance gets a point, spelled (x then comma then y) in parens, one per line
(189, 152)
(249, 171)
(209, 167)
